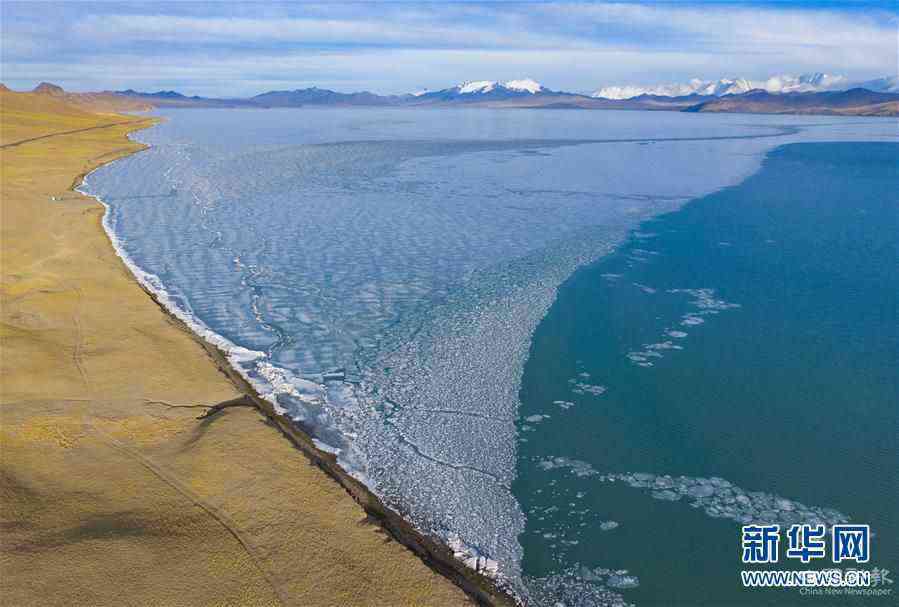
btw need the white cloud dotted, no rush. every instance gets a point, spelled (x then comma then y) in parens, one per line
(324, 31)
(730, 25)
(397, 48)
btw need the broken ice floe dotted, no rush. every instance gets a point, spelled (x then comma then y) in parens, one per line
(608, 525)
(582, 586)
(564, 404)
(642, 255)
(707, 304)
(583, 387)
(705, 299)
(717, 497)
(471, 557)
(577, 467)
(641, 357)
(645, 288)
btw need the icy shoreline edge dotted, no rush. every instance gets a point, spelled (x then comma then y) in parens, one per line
(433, 552)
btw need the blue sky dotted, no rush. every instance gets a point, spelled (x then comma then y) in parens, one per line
(241, 48)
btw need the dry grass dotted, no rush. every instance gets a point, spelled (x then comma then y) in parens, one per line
(107, 498)
(26, 115)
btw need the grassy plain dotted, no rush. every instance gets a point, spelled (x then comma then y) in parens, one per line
(112, 492)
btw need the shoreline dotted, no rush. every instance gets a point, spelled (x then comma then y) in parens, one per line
(436, 555)
(106, 470)
(226, 356)
(432, 552)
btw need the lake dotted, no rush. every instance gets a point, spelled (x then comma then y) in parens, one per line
(379, 275)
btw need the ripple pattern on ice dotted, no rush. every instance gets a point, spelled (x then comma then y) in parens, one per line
(379, 280)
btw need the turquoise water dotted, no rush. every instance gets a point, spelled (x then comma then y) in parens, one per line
(378, 275)
(751, 336)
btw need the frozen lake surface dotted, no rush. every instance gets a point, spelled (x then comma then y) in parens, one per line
(379, 274)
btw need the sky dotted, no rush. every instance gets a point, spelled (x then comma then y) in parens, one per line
(244, 48)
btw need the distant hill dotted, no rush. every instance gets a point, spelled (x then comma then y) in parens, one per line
(317, 96)
(176, 99)
(529, 94)
(890, 84)
(854, 102)
(90, 102)
(48, 109)
(45, 88)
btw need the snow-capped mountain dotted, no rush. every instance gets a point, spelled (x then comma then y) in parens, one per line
(804, 83)
(804, 94)
(526, 85)
(475, 90)
(531, 86)
(476, 86)
(786, 83)
(724, 86)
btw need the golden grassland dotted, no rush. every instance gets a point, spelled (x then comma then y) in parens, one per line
(27, 115)
(111, 491)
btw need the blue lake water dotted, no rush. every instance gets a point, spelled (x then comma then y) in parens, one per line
(379, 275)
(749, 342)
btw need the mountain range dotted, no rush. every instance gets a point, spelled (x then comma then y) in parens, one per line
(854, 102)
(804, 83)
(805, 94)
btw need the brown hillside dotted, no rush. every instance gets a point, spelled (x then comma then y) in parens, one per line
(29, 115)
(50, 109)
(45, 88)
